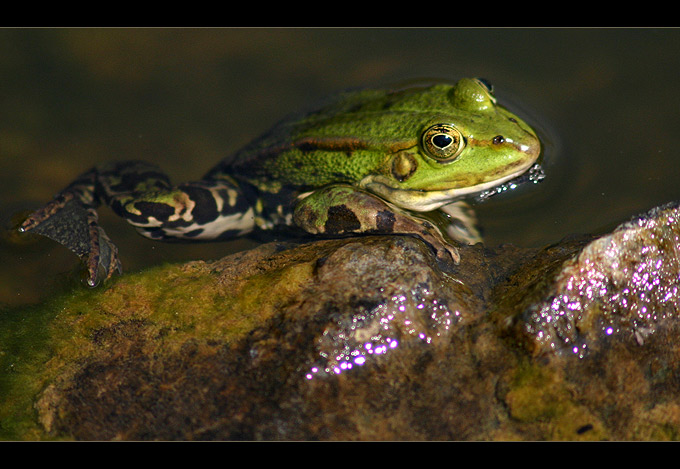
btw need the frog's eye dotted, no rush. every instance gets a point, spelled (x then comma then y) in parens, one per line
(443, 142)
(488, 87)
(486, 84)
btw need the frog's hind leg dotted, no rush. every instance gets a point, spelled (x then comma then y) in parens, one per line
(340, 210)
(71, 220)
(142, 195)
(205, 210)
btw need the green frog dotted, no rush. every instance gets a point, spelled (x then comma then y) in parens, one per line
(368, 161)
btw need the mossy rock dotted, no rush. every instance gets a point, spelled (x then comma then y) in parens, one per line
(362, 338)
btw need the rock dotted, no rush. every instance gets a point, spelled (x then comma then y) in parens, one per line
(364, 338)
(622, 284)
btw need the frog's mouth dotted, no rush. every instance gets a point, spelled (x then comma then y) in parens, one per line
(535, 174)
(425, 201)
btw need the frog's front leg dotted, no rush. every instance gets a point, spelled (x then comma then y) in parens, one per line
(140, 193)
(341, 209)
(461, 222)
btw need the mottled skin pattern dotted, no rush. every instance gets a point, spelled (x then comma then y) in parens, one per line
(365, 162)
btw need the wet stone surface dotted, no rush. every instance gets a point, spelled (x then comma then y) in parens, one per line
(622, 284)
(369, 339)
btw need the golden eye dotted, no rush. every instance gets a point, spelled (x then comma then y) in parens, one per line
(443, 142)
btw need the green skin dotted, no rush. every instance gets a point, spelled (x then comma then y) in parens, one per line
(366, 162)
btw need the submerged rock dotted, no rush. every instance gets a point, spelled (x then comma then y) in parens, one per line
(365, 338)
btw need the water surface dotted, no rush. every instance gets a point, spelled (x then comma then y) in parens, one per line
(605, 100)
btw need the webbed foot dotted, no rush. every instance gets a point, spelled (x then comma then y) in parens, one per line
(70, 223)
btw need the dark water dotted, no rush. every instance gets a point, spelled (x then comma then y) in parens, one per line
(606, 100)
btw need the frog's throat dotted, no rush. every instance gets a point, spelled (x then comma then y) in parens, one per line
(424, 200)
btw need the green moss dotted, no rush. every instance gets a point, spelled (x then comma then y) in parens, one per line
(530, 397)
(539, 397)
(24, 351)
(660, 423)
(176, 303)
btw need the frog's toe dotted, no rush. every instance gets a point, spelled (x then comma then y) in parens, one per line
(102, 261)
(444, 250)
(448, 253)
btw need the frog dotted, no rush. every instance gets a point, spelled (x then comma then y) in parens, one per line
(367, 161)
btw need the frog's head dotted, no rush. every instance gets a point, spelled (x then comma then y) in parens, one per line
(466, 143)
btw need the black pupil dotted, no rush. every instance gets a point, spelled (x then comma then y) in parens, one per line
(442, 140)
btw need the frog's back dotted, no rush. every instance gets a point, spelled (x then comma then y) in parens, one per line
(371, 120)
